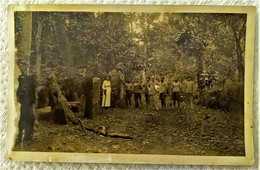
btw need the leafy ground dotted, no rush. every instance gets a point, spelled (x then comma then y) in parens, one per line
(201, 131)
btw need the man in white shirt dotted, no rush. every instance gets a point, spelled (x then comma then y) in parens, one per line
(189, 88)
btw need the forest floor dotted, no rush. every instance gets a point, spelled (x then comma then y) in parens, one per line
(201, 131)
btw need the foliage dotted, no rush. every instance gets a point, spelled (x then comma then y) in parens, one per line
(221, 96)
(81, 44)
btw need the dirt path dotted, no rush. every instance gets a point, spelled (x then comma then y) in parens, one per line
(187, 132)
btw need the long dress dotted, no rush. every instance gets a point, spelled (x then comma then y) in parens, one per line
(106, 98)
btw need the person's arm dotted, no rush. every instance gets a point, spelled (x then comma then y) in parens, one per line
(132, 87)
(58, 90)
(141, 85)
(103, 85)
(122, 77)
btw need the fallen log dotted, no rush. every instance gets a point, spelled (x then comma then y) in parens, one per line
(69, 114)
(102, 131)
(56, 98)
(119, 135)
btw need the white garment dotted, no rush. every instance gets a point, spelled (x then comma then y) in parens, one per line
(106, 98)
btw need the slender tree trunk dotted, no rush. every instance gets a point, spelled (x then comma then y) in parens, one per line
(145, 28)
(240, 64)
(199, 69)
(38, 45)
(240, 60)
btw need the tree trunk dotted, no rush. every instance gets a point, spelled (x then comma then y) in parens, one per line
(62, 41)
(96, 95)
(24, 40)
(38, 45)
(240, 61)
(240, 64)
(87, 86)
(199, 69)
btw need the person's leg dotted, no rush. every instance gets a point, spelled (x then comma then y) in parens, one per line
(116, 99)
(28, 131)
(158, 102)
(123, 101)
(129, 99)
(151, 101)
(155, 102)
(174, 99)
(126, 99)
(20, 134)
(136, 100)
(187, 100)
(178, 99)
(146, 99)
(191, 101)
(163, 100)
(140, 99)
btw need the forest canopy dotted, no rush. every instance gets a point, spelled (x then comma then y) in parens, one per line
(86, 44)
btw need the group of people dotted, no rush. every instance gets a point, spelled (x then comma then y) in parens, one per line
(150, 93)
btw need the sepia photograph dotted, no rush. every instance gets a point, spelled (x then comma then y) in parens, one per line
(130, 82)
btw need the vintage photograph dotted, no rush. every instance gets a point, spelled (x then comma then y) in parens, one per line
(158, 83)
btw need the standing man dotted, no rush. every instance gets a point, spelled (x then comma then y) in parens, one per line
(176, 92)
(129, 92)
(162, 91)
(154, 94)
(146, 91)
(137, 93)
(189, 88)
(118, 85)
